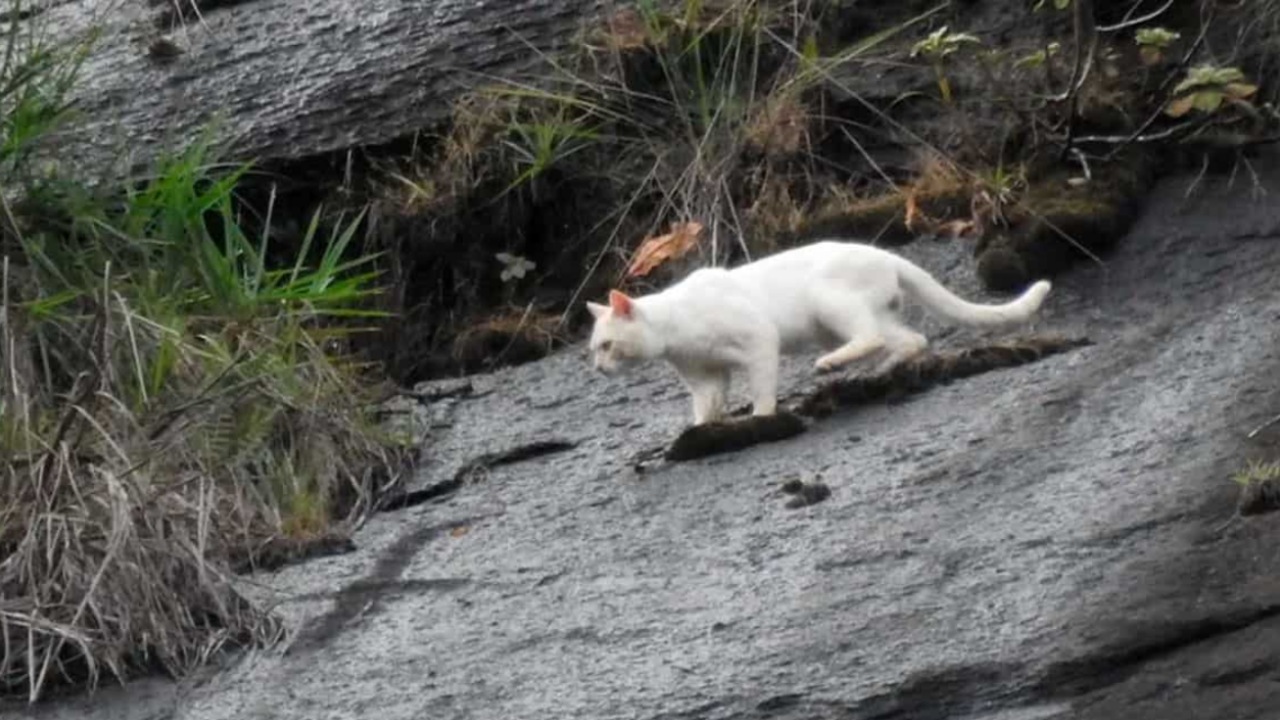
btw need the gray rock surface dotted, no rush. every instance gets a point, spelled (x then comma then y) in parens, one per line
(286, 79)
(1046, 542)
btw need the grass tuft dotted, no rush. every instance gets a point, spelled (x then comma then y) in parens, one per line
(1259, 487)
(177, 400)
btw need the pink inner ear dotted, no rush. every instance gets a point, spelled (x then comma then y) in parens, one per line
(620, 303)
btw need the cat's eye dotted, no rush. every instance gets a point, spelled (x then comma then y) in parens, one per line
(606, 346)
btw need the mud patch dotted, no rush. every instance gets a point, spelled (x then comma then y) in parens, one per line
(733, 435)
(804, 494)
(1060, 221)
(909, 378)
(1257, 498)
(931, 370)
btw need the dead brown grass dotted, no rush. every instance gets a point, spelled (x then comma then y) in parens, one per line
(144, 460)
(507, 336)
(939, 192)
(779, 128)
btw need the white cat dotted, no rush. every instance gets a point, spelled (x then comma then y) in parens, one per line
(841, 296)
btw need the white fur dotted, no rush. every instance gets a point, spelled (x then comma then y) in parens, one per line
(843, 297)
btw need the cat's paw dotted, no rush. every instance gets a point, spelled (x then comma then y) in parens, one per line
(825, 365)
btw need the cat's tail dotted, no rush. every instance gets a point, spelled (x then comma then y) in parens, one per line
(933, 295)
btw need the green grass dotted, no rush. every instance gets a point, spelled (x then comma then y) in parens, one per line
(1257, 472)
(175, 391)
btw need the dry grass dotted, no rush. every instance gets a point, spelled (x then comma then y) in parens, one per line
(122, 519)
(779, 128)
(170, 406)
(664, 114)
(510, 335)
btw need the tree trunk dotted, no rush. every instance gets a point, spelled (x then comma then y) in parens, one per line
(289, 79)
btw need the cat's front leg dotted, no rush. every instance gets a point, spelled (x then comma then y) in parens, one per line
(762, 377)
(702, 405)
(706, 391)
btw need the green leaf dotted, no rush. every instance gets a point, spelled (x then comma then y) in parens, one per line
(809, 50)
(1207, 100)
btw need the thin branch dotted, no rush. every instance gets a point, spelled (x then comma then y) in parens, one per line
(1124, 140)
(1083, 22)
(1128, 23)
(1263, 426)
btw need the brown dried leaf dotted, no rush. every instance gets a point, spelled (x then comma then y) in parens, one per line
(656, 250)
(1180, 106)
(916, 221)
(459, 531)
(956, 229)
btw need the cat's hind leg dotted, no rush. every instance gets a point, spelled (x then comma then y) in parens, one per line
(846, 315)
(902, 343)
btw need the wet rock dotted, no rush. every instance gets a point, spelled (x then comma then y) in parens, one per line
(356, 75)
(1053, 540)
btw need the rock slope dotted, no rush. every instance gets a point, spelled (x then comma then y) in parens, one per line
(1052, 541)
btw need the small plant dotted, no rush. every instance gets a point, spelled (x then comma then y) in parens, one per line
(539, 146)
(998, 189)
(1259, 487)
(1039, 57)
(1207, 87)
(514, 267)
(1257, 471)
(936, 47)
(1153, 42)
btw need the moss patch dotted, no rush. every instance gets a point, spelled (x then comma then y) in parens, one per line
(930, 370)
(733, 435)
(883, 218)
(907, 379)
(1058, 222)
(804, 494)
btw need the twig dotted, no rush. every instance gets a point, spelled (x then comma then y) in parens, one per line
(1084, 162)
(1263, 426)
(1083, 22)
(1130, 22)
(1125, 140)
(1195, 182)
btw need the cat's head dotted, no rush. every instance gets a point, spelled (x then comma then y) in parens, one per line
(622, 335)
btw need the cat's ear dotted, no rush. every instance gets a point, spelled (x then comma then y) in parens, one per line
(597, 310)
(621, 305)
